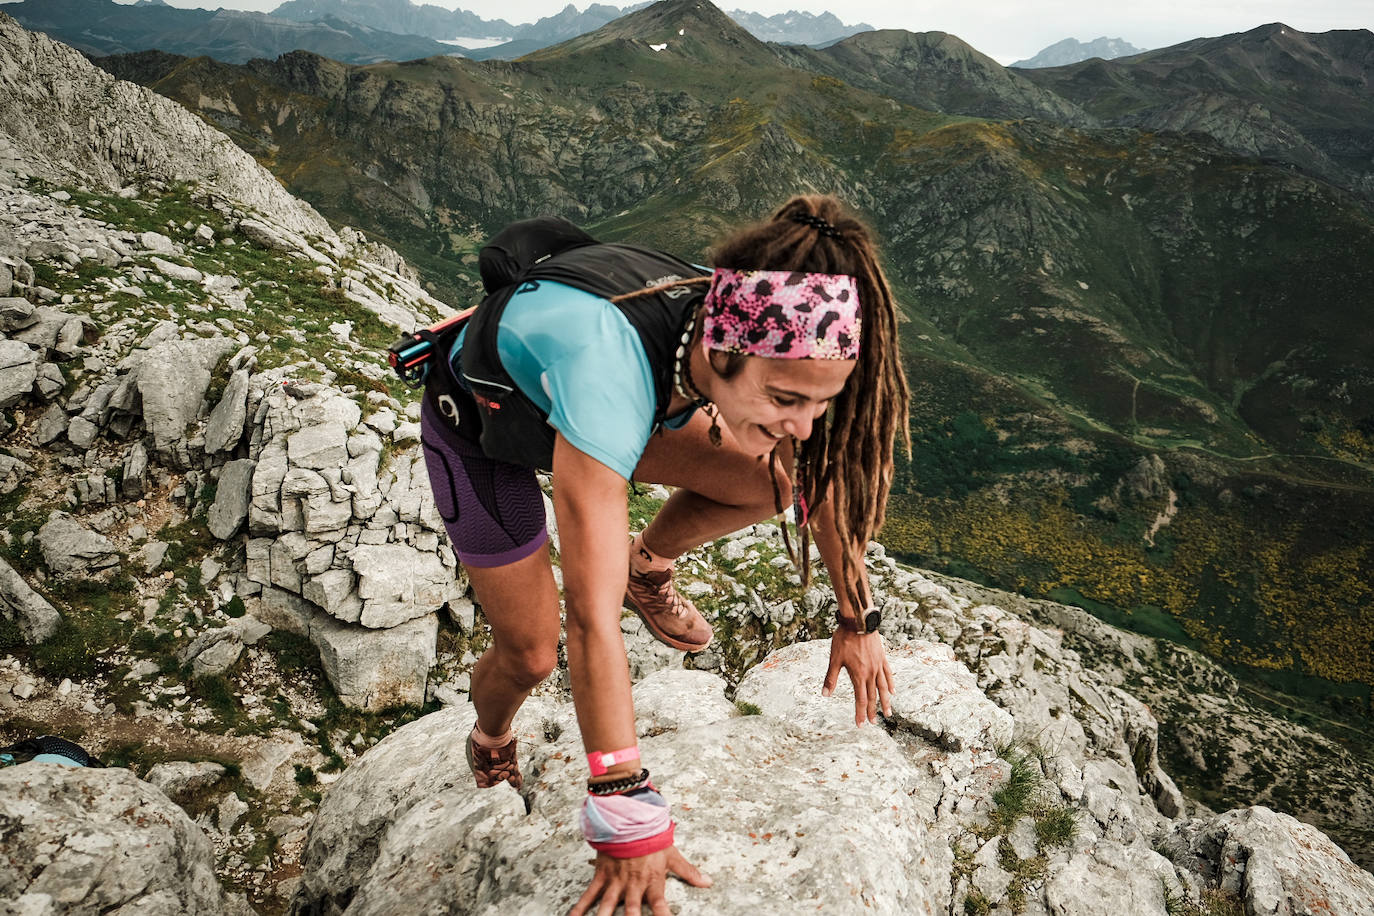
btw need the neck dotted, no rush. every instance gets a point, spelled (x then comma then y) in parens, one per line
(696, 382)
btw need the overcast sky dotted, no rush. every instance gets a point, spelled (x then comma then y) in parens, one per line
(1004, 29)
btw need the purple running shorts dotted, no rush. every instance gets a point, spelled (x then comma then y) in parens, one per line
(493, 511)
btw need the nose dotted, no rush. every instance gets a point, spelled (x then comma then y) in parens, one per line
(798, 423)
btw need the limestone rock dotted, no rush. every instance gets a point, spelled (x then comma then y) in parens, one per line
(51, 426)
(101, 841)
(72, 550)
(412, 764)
(376, 669)
(225, 427)
(38, 619)
(1274, 863)
(172, 379)
(177, 271)
(264, 236)
(82, 432)
(937, 697)
(50, 381)
(13, 472)
(16, 313)
(772, 812)
(18, 371)
(398, 583)
(233, 496)
(1107, 879)
(321, 446)
(181, 780)
(212, 652)
(156, 241)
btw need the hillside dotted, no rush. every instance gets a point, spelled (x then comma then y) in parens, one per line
(1273, 92)
(939, 72)
(100, 27)
(1084, 303)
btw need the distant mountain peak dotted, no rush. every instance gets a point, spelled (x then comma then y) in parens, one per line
(1071, 51)
(797, 27)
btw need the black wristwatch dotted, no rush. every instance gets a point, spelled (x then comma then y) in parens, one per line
(867, 622)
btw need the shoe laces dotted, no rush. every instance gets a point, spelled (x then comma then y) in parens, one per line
(662, 584)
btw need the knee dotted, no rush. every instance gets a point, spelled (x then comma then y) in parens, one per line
(529, 667)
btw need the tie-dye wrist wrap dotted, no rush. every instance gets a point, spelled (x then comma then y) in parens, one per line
(783, 314)
(627, 826)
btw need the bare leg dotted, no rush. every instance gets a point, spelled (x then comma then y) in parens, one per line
(720, 489)
(520, 602)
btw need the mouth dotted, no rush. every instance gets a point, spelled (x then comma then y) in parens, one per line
(770, 434)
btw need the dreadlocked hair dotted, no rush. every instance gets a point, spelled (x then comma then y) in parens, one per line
(849, 455)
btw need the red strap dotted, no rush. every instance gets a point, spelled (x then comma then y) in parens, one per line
(636, 848)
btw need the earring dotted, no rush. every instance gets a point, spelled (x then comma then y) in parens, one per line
(714, 432)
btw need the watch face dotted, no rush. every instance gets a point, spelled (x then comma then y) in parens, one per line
(872, 619)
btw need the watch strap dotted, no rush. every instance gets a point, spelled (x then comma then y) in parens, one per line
(867, 622)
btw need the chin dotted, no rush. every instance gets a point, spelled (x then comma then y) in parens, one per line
(760, 443)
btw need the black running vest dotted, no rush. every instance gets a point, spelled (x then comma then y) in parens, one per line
(511, 427)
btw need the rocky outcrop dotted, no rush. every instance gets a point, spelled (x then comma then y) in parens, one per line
(62, 116)
(102, 841)
(37, 618)
(1274, 864)
(430, 842)
(787, 800)
(71, 549)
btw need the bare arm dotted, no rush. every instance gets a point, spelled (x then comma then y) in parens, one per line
(827, 538)
(861, 655)
(589, 502)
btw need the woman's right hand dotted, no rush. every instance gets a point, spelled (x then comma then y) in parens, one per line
(635, 881)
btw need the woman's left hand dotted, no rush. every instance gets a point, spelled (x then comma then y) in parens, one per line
(865, 659)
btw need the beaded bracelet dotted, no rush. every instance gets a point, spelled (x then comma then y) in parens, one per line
(618, 786)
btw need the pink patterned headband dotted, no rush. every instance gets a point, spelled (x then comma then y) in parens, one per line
(783, 314)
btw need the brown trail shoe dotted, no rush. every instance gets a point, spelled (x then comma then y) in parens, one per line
(672, 619)
(490, 767)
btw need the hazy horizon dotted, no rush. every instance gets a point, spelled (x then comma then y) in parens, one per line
(1006, 30)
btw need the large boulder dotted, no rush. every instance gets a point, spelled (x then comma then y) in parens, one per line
(72, 550)
(18, 371)
(412, 764)
(398, 583)
(376, 669)
(1274, 863)
(225, 427)
(782, 816)
(82, 840)
(172, 379)
(233, 496)
(38, 619)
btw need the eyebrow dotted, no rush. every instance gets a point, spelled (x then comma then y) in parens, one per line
(799, 395)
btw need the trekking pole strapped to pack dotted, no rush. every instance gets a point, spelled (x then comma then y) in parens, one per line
(410, 355)
(501, 262)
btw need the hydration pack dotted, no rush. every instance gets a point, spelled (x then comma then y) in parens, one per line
(485, 405)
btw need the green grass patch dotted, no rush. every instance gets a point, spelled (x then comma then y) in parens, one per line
(88, 631)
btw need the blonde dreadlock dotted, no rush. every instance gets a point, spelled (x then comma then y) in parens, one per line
(849, 456)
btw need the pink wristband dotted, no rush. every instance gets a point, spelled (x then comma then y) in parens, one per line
(601, 761)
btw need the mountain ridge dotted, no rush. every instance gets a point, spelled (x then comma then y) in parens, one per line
(102, 27)
(1071, 51)
(1272, 91)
